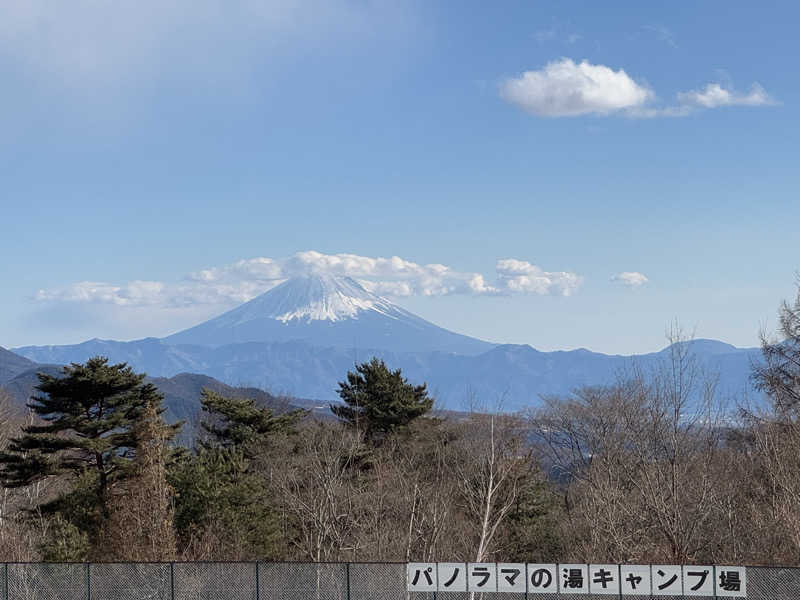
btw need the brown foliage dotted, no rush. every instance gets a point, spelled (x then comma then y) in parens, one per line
(20, 533)
(139, 526)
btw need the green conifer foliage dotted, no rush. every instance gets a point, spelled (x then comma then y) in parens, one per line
(379, 401)
(221, 492)
(64, 542)
(239, 423)
(86, 429)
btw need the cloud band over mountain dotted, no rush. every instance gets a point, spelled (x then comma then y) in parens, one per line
(393, 276)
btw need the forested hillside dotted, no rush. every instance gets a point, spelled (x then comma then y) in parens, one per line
(636, 471)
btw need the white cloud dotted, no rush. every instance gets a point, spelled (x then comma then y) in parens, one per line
(393, 276)
(649, 112)
(397, 289)
(133, 293)
(715, 95)
(564, 88)
(523, 277)
(632, 279)
(254, 269)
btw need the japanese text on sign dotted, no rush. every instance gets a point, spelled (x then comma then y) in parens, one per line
(568, 579)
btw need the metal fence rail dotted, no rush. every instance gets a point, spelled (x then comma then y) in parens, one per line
(276, 581)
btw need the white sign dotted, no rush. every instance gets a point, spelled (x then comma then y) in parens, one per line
(667, 580)
(482, 577)
(731, 582)
(573, 579)
(542, 578)
(604, 579)
(421, 577)
(611, 580)
(634, 580)
(452, 577)
(698, 580)
(511, 577)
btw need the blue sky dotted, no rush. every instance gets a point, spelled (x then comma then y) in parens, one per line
(542, 147)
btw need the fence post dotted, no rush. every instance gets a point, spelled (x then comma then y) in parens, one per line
(528, 581)
(172, 580)
(258, 585)
(6, 578)
(88, 582)
(347, 573)
(714, 575)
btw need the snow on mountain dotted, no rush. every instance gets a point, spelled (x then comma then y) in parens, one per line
(318, 298)
(302, 336)
(327, 311)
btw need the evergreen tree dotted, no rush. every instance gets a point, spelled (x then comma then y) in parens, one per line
(239, 423)
(86, 434)
(530, 532)
(221, 501)
(379, 401)
(64, 542)
(221, 492)
(89, 416)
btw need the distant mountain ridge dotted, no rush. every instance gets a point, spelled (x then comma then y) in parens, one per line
(182, 393)
(515, 376)
(301, 337)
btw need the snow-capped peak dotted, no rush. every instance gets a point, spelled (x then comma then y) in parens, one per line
(326, 311)
(314, 298)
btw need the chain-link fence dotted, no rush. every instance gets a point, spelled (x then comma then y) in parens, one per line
(276, 581)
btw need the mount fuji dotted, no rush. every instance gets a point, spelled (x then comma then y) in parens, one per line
(301, 337)
(327, 311)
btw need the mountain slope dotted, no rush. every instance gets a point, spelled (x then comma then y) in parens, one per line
(150, 355)
(181, 395)
(327, 311)
(510, 376)
(301, 337)
(12, 364)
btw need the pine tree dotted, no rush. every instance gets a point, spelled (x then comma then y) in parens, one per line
(223, 497)
(64, 542)
(239, 423)
(86, 435)
(530, 531)
(379, 401)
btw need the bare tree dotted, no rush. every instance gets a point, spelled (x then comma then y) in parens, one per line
(493, 463)
(772, 442)
(21, 532)
(779, 375)
(319, 491)
(771, 507)
(640, 459)
(140, 525)
(425, 465)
